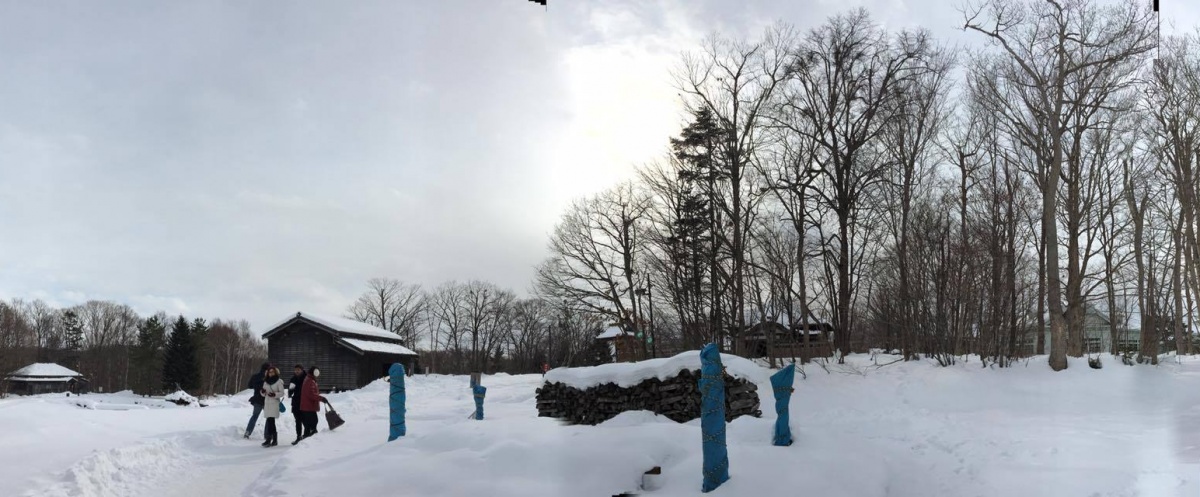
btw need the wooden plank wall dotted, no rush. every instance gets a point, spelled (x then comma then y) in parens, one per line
(798, 350)
(301, 343)
(374, 366)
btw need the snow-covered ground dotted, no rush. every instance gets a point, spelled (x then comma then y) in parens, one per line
(905, 429)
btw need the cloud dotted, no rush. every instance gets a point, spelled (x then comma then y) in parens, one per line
(243, 160)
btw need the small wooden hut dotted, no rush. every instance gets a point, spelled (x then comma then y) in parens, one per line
(623, 345)
(773, 338)
(45, 377)
(350, 354)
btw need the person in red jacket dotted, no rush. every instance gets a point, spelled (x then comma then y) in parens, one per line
(310, 403)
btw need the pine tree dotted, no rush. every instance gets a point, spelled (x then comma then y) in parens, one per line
(694, 246)
(148, 354)
(200, 352)
(180, 369)
(74, 342)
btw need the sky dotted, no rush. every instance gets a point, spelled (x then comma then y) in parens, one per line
(247, 160)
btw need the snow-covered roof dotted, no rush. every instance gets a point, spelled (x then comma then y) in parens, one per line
(342, 325)
(611, 332)
(781, 331)
(44, 369)
(627, 374)
(39, 379)
(378, 347)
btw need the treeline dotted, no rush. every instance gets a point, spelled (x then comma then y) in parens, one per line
(478, 326)
(921, 199)
(118, 350)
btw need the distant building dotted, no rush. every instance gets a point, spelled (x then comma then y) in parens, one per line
(1097, 335)
(45, 377)
(623, 345)
(773, 337)
(350, 354)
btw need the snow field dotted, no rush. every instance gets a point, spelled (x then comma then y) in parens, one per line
(906, 429)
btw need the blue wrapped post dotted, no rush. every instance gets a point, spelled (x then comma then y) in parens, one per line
(712, 418)
(479, 391)
(781, 383)
(396, 401)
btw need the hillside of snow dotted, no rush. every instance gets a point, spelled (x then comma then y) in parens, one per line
(904, 429)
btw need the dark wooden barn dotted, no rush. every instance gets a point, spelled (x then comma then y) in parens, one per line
(350, 354)
(45, 377)
(774, 339)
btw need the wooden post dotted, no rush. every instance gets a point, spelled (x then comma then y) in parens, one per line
(396, 400)
(712, 419)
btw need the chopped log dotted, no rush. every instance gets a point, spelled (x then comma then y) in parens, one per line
(677, 398)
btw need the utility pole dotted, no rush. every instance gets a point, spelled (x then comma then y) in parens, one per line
(653, 340)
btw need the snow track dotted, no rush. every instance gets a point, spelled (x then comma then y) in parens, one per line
(212, 463)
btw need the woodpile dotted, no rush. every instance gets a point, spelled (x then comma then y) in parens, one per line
(677, 398)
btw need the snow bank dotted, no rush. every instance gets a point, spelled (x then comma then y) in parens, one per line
(131, 470)
(628, 374)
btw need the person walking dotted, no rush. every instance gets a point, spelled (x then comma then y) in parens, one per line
(310, 403)
(295, 391)
(272, 391)
(256, 398)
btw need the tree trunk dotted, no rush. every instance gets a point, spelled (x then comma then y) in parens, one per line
(1058, 336)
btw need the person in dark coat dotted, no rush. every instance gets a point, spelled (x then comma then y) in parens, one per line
(273, 391)
(256, 399)
(310, 403)
(295, 391)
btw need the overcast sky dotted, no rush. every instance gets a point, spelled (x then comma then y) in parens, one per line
(246, 160)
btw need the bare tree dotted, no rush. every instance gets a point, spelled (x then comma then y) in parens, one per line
(736, 81)
(17, 346)
(448, 326)
(529, 337)
(677, 234)
(488, 320)
(392, 305)
(1172, 104)
(909, 141)
(109, 331)
(1053, 48)
(595, 252)
(851, 79)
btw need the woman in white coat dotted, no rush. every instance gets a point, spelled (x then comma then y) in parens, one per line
(273, 391)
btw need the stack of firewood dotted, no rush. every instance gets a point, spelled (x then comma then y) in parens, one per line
(677, 398)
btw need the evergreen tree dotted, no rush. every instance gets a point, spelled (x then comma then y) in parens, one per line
(180, 369)
(200, 352)
(694, 243)
(148, 354)
(74, 342)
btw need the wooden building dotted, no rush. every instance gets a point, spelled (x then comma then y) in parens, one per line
(45, 377)
(623, 345)
(350, 354)
(773, 339)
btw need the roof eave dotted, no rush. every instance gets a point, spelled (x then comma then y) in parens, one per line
(360, 352)
(352, 348)
(334, 331)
